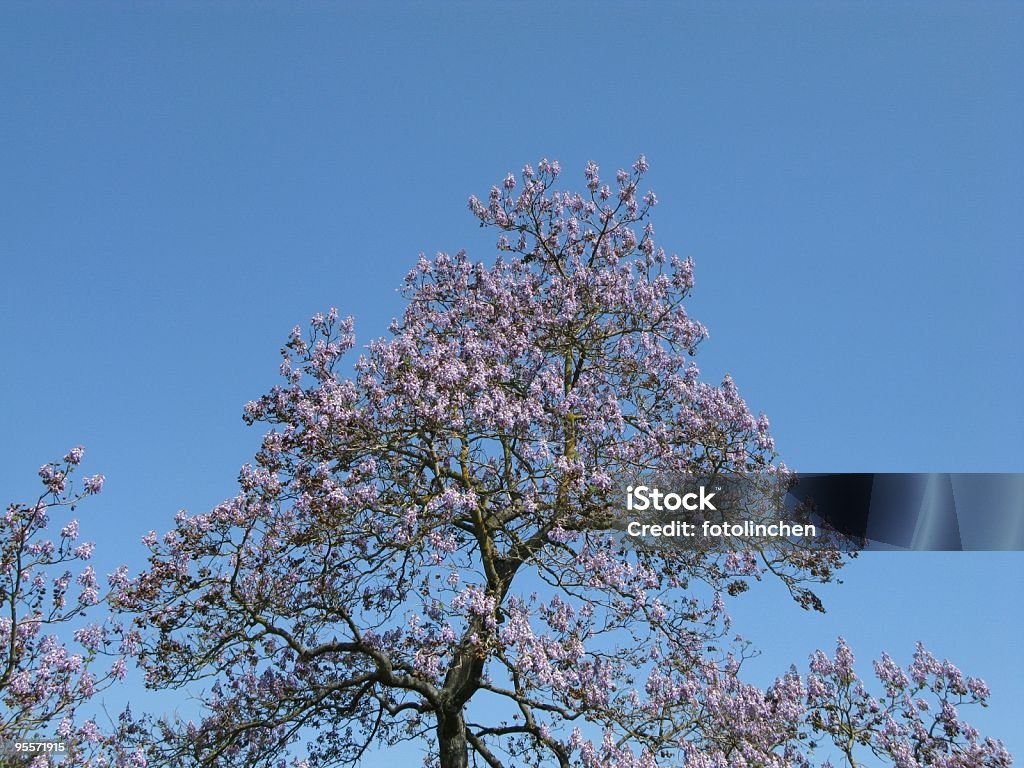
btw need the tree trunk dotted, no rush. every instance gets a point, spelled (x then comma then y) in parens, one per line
(451, 740)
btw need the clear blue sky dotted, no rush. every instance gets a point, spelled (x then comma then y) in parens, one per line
(181, 184)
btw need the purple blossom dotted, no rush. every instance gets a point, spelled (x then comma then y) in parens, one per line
(70, 531)
(93, 484)
(84, 551)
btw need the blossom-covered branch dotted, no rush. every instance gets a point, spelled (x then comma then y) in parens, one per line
(49, 594)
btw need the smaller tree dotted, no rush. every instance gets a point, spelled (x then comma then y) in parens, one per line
(916, 721)
(44, 680)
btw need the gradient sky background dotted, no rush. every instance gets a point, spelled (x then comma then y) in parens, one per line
(181, 184)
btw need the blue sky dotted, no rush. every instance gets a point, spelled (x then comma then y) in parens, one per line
(182, 184)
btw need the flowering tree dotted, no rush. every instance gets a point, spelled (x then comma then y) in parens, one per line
(424, 551)
(43, 679)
